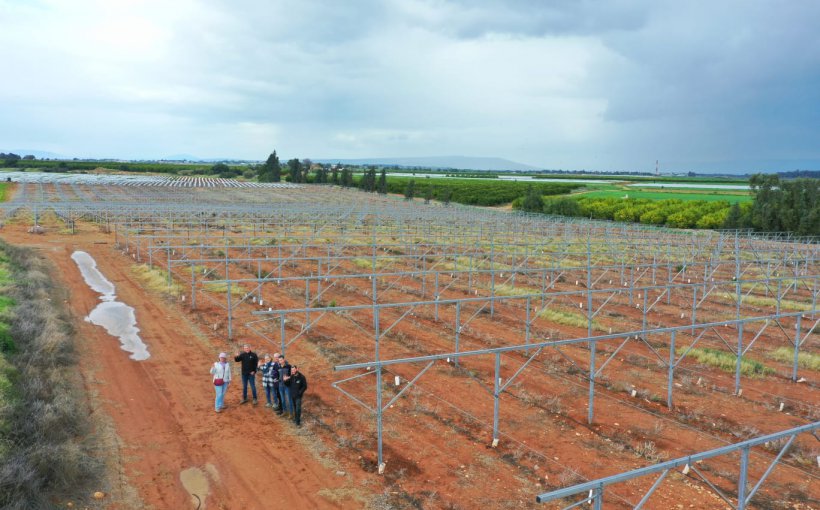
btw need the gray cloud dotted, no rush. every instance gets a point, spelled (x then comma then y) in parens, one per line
(606, 85)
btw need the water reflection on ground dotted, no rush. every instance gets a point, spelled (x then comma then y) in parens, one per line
(116, 317)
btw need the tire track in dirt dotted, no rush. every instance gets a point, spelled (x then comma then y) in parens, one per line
(162, 407)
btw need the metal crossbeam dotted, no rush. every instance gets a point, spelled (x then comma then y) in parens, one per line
(688, 460)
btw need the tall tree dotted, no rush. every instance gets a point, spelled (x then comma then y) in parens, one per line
(295, 170)
(9, 159)
(383, 182)
(371, 179)
(734, 218)
(271, 171)
(321, 174)
(764, 213)
(410, 189)
(335, 177)
(347, 177)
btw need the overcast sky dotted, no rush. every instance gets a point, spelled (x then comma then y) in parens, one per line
(730, 86)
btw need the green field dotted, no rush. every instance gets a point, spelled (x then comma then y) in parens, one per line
(3, 188)
(648, 178)
(655, 194)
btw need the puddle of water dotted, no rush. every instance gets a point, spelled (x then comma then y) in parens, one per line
(116, 317)
(195, 482)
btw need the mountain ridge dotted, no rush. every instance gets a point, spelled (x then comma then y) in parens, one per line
(454, 162)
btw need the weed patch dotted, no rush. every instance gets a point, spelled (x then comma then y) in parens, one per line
(156, 280)
(574, 319)
(768, 302)
(727, 361)
(786, 355)
(222, 287)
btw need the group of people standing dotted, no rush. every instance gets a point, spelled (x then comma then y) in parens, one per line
(283, 383)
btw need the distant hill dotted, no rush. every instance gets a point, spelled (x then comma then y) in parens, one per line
(181, 157)
(445, 162)
(37, 154)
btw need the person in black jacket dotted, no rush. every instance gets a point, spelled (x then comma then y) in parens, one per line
(298, 385)
(250, 362)
(284, 388)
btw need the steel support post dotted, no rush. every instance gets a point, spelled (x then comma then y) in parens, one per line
(492, 276)
(694, 308)
(739, 361)
(671, 370)
(796, 348)
(527, 332)
(282, 332)
(307, 302)
(230, 313)
(589, 286)
(742, 482)
(436, 295)
(598, 498)
(193, 286)
(643, 321)
(379, 416)
(458, 328)
(259, 276)
(592, 349)
(492, 292)
(496, 389)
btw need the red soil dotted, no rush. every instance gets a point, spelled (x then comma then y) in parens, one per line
(436, 437)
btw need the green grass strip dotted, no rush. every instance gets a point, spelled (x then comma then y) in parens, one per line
(727, 361)
(804, 359)
(577, 320)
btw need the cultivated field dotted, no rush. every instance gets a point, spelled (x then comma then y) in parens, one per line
(456, 356)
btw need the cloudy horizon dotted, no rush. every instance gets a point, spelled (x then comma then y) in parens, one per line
(611, 86)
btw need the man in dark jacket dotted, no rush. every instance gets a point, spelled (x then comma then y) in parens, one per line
(250, 362)
(298, 385)
(284, 389)
(277, 400)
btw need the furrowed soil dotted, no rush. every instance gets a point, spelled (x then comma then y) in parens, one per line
(170, 444)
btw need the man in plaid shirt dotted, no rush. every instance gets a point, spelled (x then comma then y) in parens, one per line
(270, 376)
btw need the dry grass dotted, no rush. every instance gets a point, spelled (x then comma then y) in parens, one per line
(156, 280)
(575, 319)
(222, 287)
(726, 361)
(804, 359)
(47, 453)
(509, 290)
(768, 302)
(367, 263)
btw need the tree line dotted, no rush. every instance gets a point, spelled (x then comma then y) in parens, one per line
(779, 206)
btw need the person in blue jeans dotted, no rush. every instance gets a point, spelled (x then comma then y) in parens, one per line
(221, 372)
(250, 362)
(267, 369)
(284, 391)
(297, 385)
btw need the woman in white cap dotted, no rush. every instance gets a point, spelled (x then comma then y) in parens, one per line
(221, 372)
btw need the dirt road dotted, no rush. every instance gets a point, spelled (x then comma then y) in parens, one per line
(169, 443)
